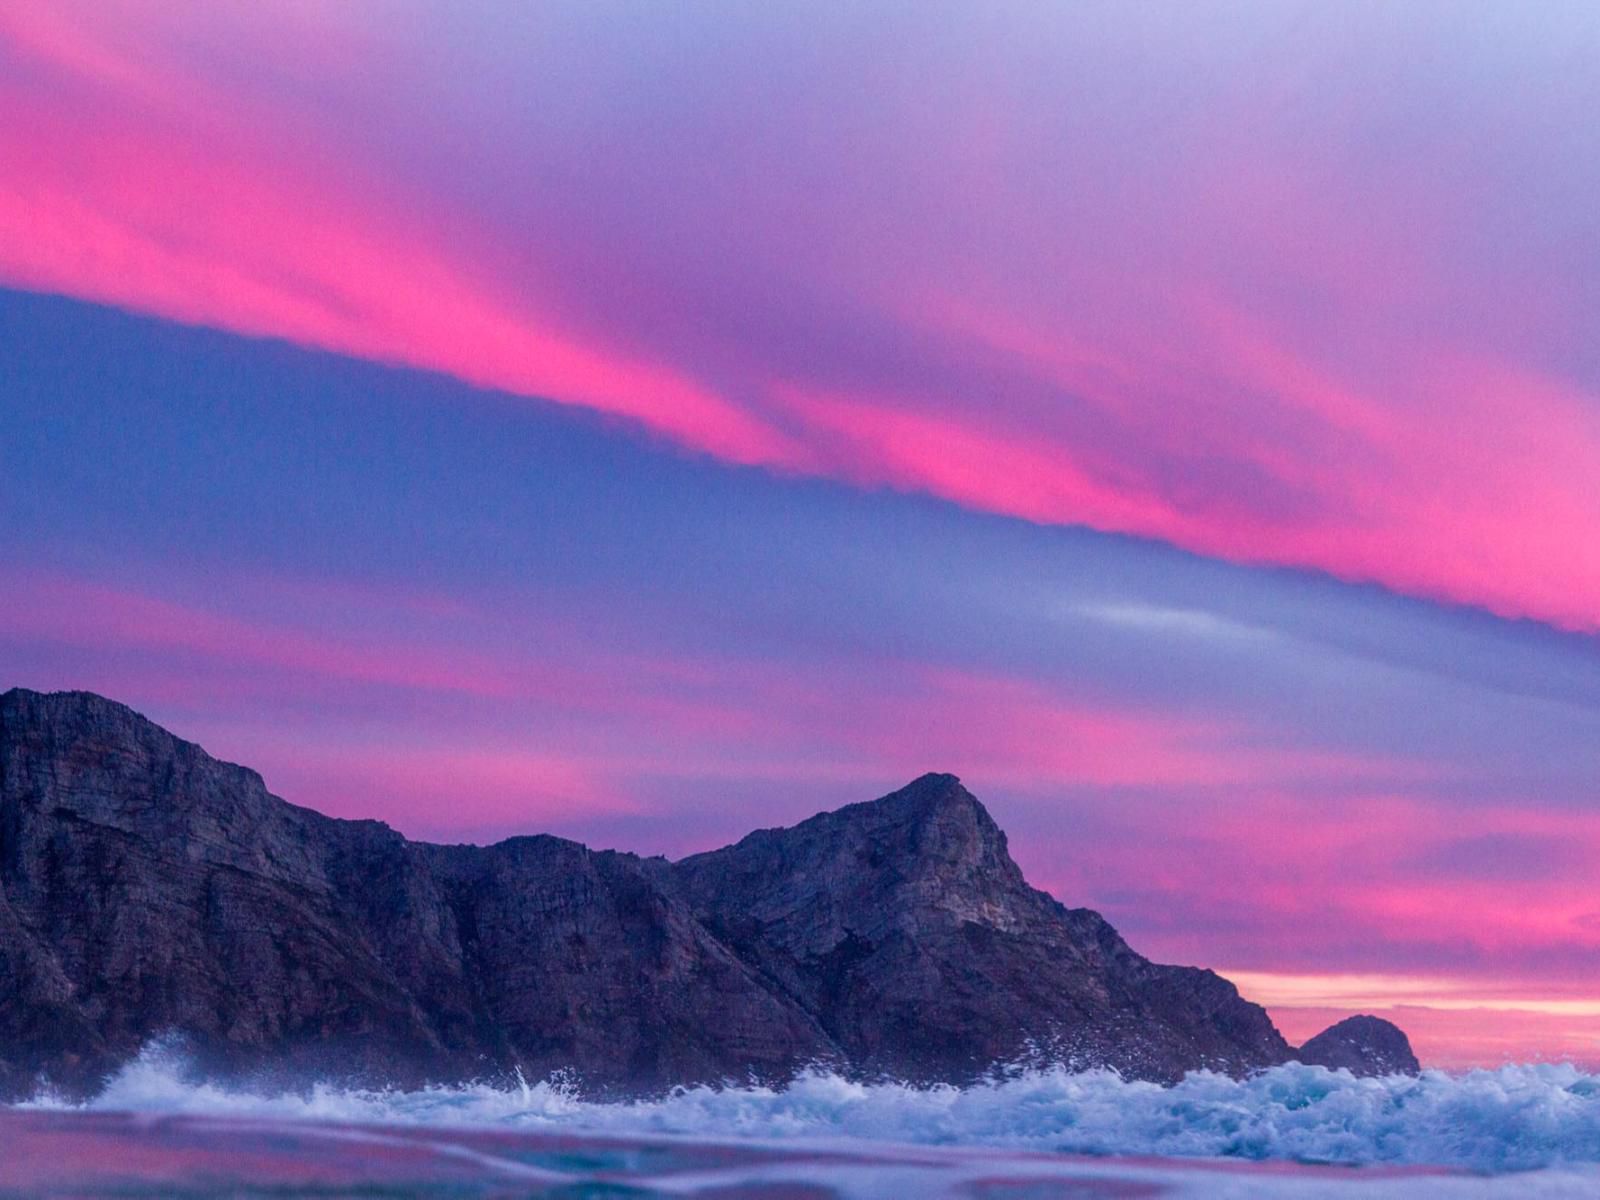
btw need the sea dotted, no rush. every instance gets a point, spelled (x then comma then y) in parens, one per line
(1292, 1131)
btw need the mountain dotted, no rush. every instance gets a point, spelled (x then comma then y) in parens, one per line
(905, 927)
(148, 890)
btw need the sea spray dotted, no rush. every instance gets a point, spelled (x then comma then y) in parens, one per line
(1512, 1118)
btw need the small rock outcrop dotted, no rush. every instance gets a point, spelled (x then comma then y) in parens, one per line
(1362, 1045)
(148, 890)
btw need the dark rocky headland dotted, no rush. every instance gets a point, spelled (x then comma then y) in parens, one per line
(148, 890)
(1362, 1045)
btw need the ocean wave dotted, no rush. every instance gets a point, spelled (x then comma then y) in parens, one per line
(1511, 1118)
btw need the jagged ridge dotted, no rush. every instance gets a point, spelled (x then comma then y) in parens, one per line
(146, 888)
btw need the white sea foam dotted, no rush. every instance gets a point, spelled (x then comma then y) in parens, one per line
(1513, 1118)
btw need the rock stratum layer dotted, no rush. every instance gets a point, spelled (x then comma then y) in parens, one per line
(148, 890)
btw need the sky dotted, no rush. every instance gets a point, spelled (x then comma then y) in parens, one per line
(644, 423)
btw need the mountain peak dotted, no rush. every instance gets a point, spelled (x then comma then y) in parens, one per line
(925, 794)
(932, 823)
(925, 797)
(932, 785)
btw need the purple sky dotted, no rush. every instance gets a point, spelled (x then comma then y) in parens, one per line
(1181, 421)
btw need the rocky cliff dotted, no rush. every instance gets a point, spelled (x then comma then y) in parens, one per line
(906, 929)
(148, 890)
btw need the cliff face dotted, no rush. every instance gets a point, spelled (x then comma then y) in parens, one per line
(147, 889)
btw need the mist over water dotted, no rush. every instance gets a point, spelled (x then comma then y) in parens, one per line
(1511, 1118)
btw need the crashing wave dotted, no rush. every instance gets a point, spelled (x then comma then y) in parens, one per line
(1512, 1118)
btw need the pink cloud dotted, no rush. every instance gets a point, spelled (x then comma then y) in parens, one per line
(1004, 732)
(95, 616)
(1348, 881)
(1188, 405)
(443, 792)
(136, 190)
(1453, 1023)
